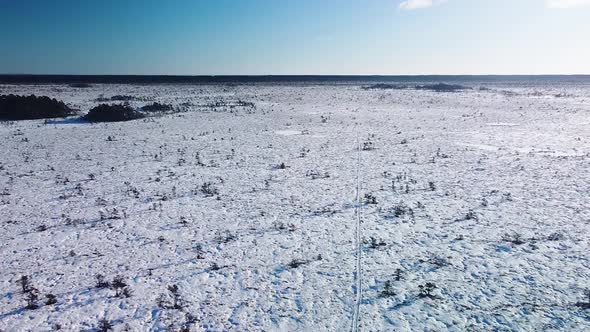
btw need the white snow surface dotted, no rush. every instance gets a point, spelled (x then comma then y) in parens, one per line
(483, 194)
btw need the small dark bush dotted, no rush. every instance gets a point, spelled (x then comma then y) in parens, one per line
(173, 300)
(104, 325)
(315, 174)
(388, 290)
(586, 303)
(225, 237)
(281, 166)
(209, 189)
(370, 199)
(438, 261)
(368, 146)
(295, 263)
(427, 291)
(398, 211)
(112, 113)
(32, 298)
(514, 238)
(555, 237)
(32, 107)
(118, 282)
(101, 282)
(471, 215)
(25, 283)
(431, 186)
(398, 274)
(376, 243)
(51, 299)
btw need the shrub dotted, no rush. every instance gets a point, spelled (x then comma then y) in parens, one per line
(555, 237)
(51, 299)
(585, 304)
(173, 300)
(281, 226)
(427, 291)
(281, 166)
(104, 325)
(31, 293)
(112, 113)
(398, 211)
(431, 186)
(32, 107)
(295, 263)
(25, 283)
(514, 238)
(209, 190)
(398, 274)
(470, 215)
(368, 146)
(32, 298)
(314, 175)
(225, 237)
(101, 282)
(370, 199)
(438, 261)
(118, 282)
(376, 244)
(388, 290)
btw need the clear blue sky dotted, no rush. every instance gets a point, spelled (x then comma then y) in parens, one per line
(214, 37)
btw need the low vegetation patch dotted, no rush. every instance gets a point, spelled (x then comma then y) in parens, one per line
(102, 99)
(385, 86)
(442, 87)
(157, 107)
(388, 290)
(112, 113)
(585, 304)
(80, 85)
(427, 291)
(438, 87)
(32, 107)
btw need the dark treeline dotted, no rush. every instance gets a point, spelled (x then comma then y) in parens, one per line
(79, 80)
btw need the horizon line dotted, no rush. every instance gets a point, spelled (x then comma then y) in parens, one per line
(289, 75)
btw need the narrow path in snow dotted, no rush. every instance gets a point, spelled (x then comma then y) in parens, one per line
(358, 273)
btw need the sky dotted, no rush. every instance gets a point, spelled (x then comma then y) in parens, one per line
(295, 37)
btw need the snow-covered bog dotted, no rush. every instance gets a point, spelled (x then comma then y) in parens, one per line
(300, 208)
